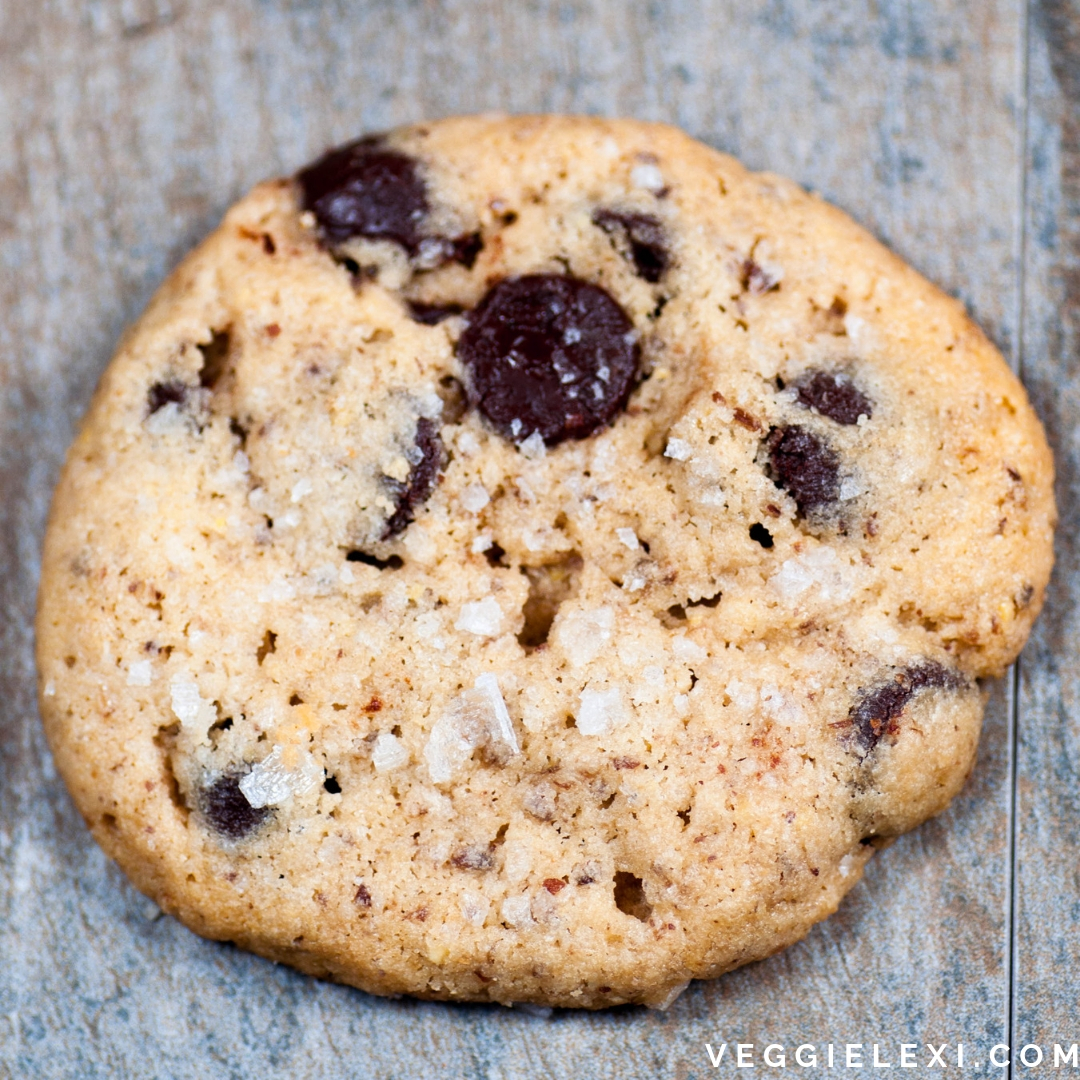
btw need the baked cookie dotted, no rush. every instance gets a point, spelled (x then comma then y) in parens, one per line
(533, 560)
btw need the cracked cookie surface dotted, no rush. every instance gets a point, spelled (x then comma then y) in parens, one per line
(533, 560)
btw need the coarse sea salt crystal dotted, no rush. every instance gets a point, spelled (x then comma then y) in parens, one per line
(50, 689)
(682, 704)
(678, 450)
(664, 1003)
(272, 782)
(600, 711)
(533, 447)
(821, 567)
(279, 590)
(517, 911)
(474, 907)
(628, 538)
(468, 443)
(647, 176)
(189, 707)
(850, 488)
(742, 695)
(501, 731)
(475, 718)
(847, 864)
(481, 617)
(302, 487)
(474, 498)
(140, 673)
(389, 753)
(482, 542)
(688, 651)
(582, 634)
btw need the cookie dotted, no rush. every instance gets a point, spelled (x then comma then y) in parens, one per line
(533, 560)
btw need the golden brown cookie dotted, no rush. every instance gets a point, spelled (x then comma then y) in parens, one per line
(533, 560)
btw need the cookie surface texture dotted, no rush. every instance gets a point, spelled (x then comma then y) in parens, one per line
(533, 560)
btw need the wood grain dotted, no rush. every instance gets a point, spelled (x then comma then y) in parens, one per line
(127, 127)
(1047, 923)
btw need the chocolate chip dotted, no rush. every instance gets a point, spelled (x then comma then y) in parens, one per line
(805, 467)
(365, 188)
(834, 395)
(162, 393)
(227, 810)
(644, 236)
(877, 712)
(549, 354)
(432, 314)
(426, 459)
(369, 189)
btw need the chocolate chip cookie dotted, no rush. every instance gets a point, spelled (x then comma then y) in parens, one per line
(533, 560)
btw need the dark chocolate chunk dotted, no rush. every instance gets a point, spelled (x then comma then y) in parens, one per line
(227, 810)
(805, 467)
(369, 189)
(549, 354)
(161, 393)
(877, 711)
(366, 188)
(432, 314)
(644, 236)
(834, 395)
(426, 458)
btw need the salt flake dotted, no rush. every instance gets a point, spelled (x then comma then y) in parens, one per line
(481, 617)
(389, 753)
(600, 711)
(678, 450)
(140, 673)
(271, 782)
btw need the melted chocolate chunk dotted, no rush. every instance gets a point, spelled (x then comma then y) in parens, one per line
(368, 189)
(161, 393)
(228, 811)
(877, 712)
(426, 459)
(805, 467)
(549, 354)
(644, 235)
(834, 396)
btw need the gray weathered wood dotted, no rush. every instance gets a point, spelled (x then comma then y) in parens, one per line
(127, 127)
(1047, 925)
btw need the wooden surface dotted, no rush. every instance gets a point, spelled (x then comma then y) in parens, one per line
(951, 129)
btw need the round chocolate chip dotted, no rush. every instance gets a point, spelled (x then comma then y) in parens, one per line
(549, 354)
(367, 189)
(833, 395)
